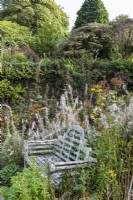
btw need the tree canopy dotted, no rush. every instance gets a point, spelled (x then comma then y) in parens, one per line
(94, 39)
(91, 11)
(45, 20)
(123, 31)
(34, 13)
(14, 34)
(46, 39)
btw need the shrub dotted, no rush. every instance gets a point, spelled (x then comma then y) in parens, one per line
(111, 176)
(29, 185)
(8, 92)
(8, 171)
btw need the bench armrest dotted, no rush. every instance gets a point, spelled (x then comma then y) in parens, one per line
(71, 162)
(59, 166)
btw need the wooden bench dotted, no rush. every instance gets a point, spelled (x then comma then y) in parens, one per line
(64, 153)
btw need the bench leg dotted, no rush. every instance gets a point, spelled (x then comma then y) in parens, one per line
(25, 164)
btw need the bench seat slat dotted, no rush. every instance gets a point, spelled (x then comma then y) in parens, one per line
(40, 151)
(41, 141)
(41, 144)
(40, 147)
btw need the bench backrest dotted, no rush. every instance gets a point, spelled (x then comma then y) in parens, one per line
(70, 146)
(38, 147)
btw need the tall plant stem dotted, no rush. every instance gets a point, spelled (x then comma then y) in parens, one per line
(130, 190)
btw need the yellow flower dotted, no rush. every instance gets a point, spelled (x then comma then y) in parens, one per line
(36, 106)
(112, 173)
(92, 89)
(100, 90)
(131, 59)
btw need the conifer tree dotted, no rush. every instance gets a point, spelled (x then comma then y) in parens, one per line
(91, 11)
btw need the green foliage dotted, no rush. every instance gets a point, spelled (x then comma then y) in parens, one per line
(100, 41)
(108, 69)
(13, 145)
(120, 19)
(19, 57)
(33, 14)
(112, 173)
(123, 34)
(8, 92)
(75, 184)
(91, 11)
(82, 71)
(57, 73)
(93, 40)
(48, 24)
(8, 171)
(46, 39)
(29, 185)
(13, 34)
(17, 68)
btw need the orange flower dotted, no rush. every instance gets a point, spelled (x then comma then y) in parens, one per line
(92, 115)
(83, 125)
(36, 108)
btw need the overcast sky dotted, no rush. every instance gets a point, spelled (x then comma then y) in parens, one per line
(114, 7)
